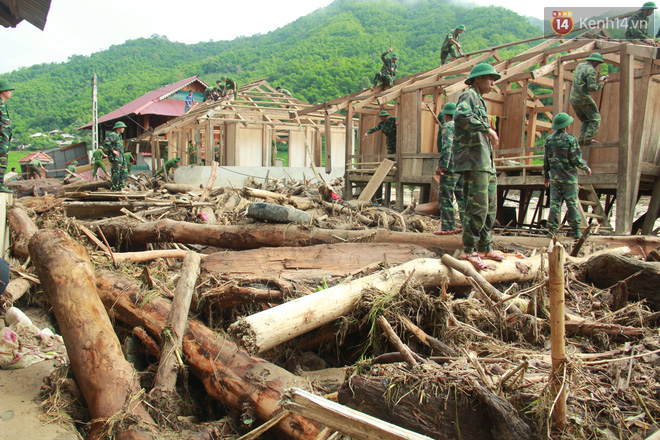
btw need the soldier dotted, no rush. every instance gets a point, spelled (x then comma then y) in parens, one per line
(170, 164)
(473, 158)
(72, 166)
(585, 82)
(231, 88)
(451, 184)
(387, 125)
(219, 90)
(37, 170)
(114, 149)
(284, 91)
(561, 160)
(208, 94)
(6, 131)
(98, 156)
(388, 71)
(128, 160)
(638, 24)
(451, 46)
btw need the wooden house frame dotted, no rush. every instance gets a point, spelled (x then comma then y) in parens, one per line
(244, 131)
(625, 162)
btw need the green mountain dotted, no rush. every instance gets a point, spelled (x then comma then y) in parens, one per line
(329, 53)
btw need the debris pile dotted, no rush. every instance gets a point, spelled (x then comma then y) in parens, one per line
(222, 312)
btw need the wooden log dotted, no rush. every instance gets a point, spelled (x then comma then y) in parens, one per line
(15, 289)
(23, 227)
(349, 421)
(641, 277)
(396, 341)
(260, 235)
(141, 257)
(175, 188)
(277, 213)
(557, 335)
(438, 413)
(617, 332)
(177, 321)
(209, 183)
(106, 379)
(228, 373)
(302, 203)
(86, 185)
(35, 187)
(231, 296)
(436, 345)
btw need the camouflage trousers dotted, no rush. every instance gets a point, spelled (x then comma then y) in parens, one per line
(391, 147)
(451, 185)
(117, 173)
(384, 79)
(559, 192)
(4, 156)
(480, 192)
(453, 51)
(588, 114)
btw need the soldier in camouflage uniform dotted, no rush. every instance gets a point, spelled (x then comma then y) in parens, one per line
(473, 158)
(451, 46)
(638, 24)
(387, 125)
(6, 131)
(114, 148)
(561, 160)
(388, 71)
(98, 156)
(584, 83)
(451, 184)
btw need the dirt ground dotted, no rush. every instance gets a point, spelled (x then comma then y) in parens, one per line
(20, 416)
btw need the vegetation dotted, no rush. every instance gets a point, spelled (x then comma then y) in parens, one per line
(326, 54)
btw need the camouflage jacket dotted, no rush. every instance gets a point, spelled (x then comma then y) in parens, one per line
(6, 129)
(445, 145)
(389, 130)
(97, 155)
(114, 142)
(584, 82)
(389, 66)
(472, 150)
(451, 35)
(230, 84)
(638, 27)
(562, 158)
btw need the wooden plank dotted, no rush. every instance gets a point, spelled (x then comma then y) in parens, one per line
(624, 194)
(328, 145)
(5, 200)
(652, 211)
(376, 180)
(351, 422)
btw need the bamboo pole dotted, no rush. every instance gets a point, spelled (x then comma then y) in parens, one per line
(557, 334)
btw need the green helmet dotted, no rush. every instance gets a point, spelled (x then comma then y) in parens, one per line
(177, 159)
(75, 162)
(649, 5)
(383, 113)
(119, 124)
(482, 69)
(448, 109)
(561, 120)
(461, 27)
(595, 57)
(5, 85)
(395, 56)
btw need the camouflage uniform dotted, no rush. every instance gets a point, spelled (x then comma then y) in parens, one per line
(97, 155)
(387, 72)
(561, 160)
(473, 158)
(388, 128)
(114, 142)
(638, 27)
(448, 48)
(128, 159)
(451, 184)
(172, 163)
(584, 82)
(230, 87)
(6, 132)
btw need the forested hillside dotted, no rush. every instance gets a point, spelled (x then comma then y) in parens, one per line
(328, 53)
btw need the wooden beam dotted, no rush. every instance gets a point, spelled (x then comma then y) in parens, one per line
(376, 180)
(626, 107)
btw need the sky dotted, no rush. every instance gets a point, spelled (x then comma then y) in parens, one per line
(83, 27)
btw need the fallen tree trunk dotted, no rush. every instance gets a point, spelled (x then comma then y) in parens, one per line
(15, 289)
(86, 185)
(229, 374)
(108, 382)
(261, 235)
(35, 187)
(437, 413)
(277, 213)
(641, 278)
(23, 227)
(302, 203)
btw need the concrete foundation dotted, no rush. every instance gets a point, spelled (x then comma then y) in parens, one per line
(236, 176)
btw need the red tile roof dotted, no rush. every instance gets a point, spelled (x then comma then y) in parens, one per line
(38, 155)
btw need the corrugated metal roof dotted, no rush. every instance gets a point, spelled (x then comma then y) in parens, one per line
(34, 12)
(149, 102)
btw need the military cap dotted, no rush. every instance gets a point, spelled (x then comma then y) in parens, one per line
(75, 162)
(448, 109)
(461, 27)
(649, 5)
(383, 113)
(395, 56)
(177, 159)
(561, 120)
(482, 69)
(119, 124)
(5, 85)
(595, 57)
